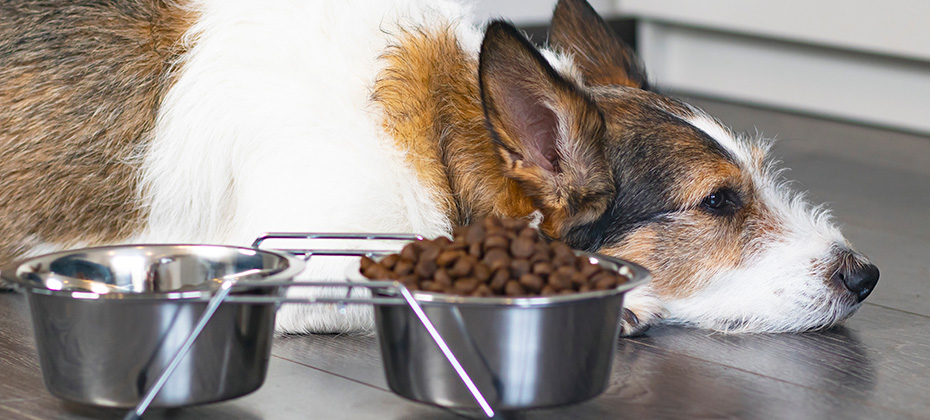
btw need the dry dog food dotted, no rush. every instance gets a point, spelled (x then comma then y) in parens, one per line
(493, 257)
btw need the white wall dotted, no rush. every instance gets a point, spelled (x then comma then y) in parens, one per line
(864, 61)
(890, 27)
(530, 12)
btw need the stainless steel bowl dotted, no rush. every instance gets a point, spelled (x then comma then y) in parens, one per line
(108, 320)
(520, 352)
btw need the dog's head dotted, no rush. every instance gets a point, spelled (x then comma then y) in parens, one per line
(621, 170)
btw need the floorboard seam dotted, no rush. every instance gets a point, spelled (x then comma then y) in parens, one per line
(833, 394)
(448, 410)
(330, 373)
(897, 310)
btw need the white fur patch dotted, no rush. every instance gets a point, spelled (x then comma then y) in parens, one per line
(270, 128)
(720, 134)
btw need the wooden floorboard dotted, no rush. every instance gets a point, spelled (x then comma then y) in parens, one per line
(290, 392)
(19, 367)
(876, 364)
(905, 269)
(880, 358)
(874, 367)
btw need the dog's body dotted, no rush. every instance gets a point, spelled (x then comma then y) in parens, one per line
(213, 121)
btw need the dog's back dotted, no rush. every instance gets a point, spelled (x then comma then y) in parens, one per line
(124, 121)
(75, 106)
(206, 122)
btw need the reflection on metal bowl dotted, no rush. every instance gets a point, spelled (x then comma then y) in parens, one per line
(107, 321)
(520, 352)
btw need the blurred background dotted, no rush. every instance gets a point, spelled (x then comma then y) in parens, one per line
(854, 60)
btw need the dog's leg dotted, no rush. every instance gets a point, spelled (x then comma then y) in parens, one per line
(641, 310)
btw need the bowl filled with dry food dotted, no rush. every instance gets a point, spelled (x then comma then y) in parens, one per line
(534, 324)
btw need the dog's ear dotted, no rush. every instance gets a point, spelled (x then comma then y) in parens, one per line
(604, 59)
(548, 131)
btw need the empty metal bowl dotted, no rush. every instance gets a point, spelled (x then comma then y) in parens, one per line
(108, 320)
(520, 352)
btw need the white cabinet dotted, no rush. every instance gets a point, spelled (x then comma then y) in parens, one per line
(866, 61)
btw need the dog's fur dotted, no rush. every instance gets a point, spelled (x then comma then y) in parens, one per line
(212, 121)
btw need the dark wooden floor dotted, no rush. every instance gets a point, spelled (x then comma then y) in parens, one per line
(876, 366)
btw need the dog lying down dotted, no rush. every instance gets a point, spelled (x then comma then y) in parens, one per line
(212, 121)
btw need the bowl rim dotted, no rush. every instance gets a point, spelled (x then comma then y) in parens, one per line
(13, 272)
(638, 276)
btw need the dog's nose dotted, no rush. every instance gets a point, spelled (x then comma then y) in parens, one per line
(859, 277)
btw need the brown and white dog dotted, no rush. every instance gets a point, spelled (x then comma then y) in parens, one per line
(212, 121)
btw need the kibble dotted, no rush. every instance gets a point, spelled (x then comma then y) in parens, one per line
(492, 257)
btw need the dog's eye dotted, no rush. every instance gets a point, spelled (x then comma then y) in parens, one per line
(722, 201)
(715, 200)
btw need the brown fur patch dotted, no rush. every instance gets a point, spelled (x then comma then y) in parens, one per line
(681, 255)
(428, 101)
(80, 86)
(603, 59)
(432, 107)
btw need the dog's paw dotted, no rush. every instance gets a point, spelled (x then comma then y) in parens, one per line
(324, 319)
(641, 310)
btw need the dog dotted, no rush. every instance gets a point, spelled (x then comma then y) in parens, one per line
(212, 121)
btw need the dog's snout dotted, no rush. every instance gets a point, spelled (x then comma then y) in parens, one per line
(857, 275)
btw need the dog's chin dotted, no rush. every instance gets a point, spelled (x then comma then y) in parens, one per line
(763, 299)
(764, 316)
